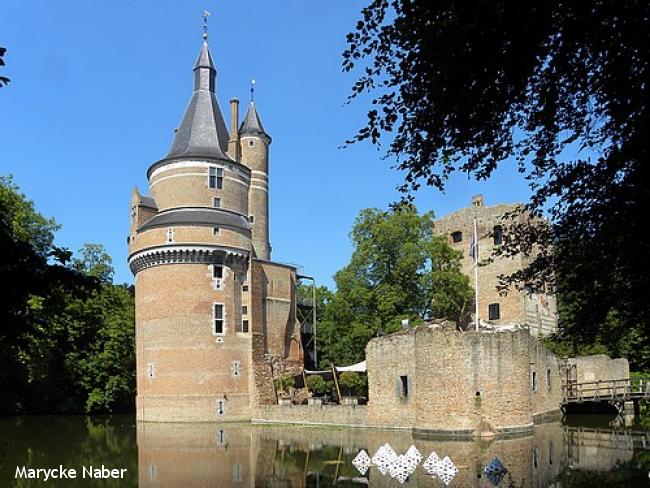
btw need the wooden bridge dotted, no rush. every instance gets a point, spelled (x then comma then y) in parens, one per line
(616, 392)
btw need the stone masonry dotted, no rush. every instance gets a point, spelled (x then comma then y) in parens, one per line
(537, 310)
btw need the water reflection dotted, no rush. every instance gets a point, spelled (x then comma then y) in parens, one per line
(241, 455)
(236, 455)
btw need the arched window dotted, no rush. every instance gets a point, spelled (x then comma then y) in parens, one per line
(456, 237)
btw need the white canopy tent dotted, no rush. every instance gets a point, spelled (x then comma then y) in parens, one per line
(355, 368)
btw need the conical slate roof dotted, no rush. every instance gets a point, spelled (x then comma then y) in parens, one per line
(252, 124)
(202, 132)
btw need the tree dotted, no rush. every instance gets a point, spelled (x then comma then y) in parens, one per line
(558, 87)
(3, 79)
(66, 332)
(399, 270)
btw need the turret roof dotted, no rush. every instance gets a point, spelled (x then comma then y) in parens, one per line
(252, 124)
(202, 132)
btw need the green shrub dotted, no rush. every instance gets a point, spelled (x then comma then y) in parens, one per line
(352, 384)
(317, 385)
(284, 383)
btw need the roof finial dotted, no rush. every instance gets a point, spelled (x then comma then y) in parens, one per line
(205, 16)
(253, 90)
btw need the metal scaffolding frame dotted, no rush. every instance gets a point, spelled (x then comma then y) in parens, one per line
(307, 318)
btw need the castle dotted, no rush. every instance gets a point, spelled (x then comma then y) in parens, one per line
(217, 319)
(214, 314)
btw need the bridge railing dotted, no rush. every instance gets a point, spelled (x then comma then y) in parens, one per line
(615, 390)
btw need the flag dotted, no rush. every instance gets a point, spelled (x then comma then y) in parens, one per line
(473, 247)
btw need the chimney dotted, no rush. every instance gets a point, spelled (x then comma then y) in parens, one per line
(234, 149)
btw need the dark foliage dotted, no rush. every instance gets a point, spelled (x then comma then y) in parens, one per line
(560, 88)
(3, 79)
(66, 332)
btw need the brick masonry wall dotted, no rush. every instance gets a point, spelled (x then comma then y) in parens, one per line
(193, 368)
(188, 186)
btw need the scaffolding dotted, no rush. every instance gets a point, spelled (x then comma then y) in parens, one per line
(306, 315)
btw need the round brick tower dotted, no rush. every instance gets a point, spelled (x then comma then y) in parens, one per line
(255, 154)
(189, 248)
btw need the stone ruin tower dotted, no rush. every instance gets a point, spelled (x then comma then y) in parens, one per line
(215, 317)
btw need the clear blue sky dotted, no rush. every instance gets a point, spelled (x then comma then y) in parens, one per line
(98, 87)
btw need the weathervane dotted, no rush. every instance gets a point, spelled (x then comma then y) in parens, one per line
(253, 90)
(205, 16)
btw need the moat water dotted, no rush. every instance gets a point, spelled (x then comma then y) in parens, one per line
(580, 451)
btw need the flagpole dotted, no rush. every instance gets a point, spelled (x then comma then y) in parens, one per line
(475, 254)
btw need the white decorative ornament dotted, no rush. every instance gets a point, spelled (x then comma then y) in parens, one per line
(362, 462)
(431, 464)
(446, 470)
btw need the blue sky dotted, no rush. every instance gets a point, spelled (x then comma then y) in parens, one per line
(98, 87)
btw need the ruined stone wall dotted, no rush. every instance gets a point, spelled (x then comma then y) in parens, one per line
(600, 367)
(547, 394)
(388, 359)
(465, 382)
(282, 328)
(517, 306)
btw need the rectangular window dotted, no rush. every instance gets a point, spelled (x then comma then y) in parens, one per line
(216, 202)
(244, 326)
(548, 379)
(215, 231)
(493, 311)
(170, 234)
(533, 379)
(244, 310)
(218, 319)
(217, 271)
(404, 386)
(215, 178)
(251, 219)
(497, 234)
(456, 237)
(244, 288)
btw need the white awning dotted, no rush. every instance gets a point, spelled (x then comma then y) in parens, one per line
(355, 368)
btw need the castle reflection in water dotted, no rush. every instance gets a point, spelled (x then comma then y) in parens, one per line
(238, 455)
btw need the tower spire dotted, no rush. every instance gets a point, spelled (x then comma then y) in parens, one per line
(202, 132)
(253, 90)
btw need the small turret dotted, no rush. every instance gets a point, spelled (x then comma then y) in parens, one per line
(255, 154)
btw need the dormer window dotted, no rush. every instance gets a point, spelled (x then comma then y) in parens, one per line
(456, 237)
